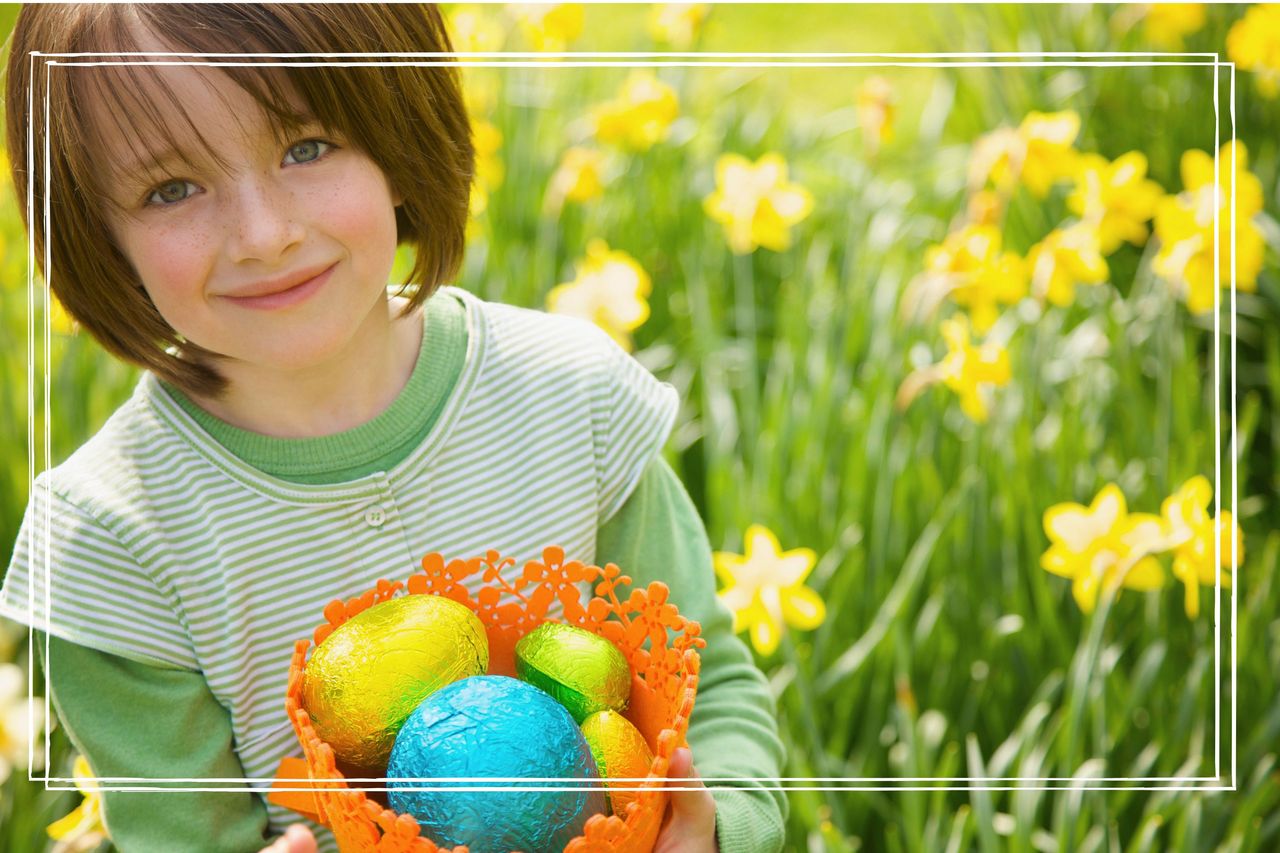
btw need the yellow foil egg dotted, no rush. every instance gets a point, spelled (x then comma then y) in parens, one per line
(369, 675)
(583, 671)
(620, 752)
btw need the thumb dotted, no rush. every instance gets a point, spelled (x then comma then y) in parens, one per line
(298, 839)
(682, 774)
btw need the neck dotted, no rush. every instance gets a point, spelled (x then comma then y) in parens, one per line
(350, 388)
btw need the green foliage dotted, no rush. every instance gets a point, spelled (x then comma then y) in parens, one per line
(947, 651)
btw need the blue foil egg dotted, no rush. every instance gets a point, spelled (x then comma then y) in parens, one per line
(492, 726)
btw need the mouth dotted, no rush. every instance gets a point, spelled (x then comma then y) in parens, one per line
(285, 297)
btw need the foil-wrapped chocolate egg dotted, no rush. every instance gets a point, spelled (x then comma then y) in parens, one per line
(583, 671)
(491, 727)
(369, 675)
(620, 752)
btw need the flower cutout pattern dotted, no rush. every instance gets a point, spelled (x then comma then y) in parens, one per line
(756, 203)
(765, 590)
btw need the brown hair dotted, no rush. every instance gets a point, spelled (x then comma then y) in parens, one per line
(410, 120)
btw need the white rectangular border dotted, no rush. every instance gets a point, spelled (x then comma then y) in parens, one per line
(457, 58)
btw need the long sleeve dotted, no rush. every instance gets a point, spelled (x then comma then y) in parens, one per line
(657, 535)
(133, 719)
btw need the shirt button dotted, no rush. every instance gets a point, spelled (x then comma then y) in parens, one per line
(374, 516)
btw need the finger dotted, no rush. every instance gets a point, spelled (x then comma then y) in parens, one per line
(680, 765)
(298, 839)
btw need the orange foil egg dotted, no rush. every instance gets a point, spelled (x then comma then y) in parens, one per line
(620, 752)
(369, 675)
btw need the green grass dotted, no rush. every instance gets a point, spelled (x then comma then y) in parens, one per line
(947, 651)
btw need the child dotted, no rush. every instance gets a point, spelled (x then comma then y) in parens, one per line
(298, 432)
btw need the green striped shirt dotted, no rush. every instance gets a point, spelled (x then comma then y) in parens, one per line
(156, 543)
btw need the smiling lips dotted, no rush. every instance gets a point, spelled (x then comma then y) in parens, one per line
(283, 291)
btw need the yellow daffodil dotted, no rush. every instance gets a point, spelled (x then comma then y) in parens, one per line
(474, 31)
(641, 114)
(489, 168)
(1103, 547)
(756, 203)
(677, 24)
(60, 322)
(1184, 225)
(1166, 24)
(996, 159)
(20, 716)
(611, 290)
(969, 370)
(875, 106)
(984, 207)
(578, 178)
(1191, 538)
(1048, 156)
(1253, 44)
(1065, 258)
(83, 828)
(1115, 197)
(765, 590)
(1038, 154)
(479, 91)
(977, 274)
(549, 27)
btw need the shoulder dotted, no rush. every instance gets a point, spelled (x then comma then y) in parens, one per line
(528, 342)
(113, 464)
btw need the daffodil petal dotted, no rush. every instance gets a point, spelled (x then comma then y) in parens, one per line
(765, 635)
(1085, 591)
(803, 608)
(1145, 575)
(1059, 561)
(1072, 525)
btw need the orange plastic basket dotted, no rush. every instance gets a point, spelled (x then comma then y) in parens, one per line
(664, 680)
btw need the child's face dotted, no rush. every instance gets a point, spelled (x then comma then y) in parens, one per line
(276, 261)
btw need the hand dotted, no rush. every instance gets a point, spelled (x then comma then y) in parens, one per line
(296, 839)
(690, 822)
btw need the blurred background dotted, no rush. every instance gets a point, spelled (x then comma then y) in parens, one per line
(947, 336)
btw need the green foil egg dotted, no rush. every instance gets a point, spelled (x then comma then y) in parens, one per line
(369, 675)
(620, 752)
(583, 671)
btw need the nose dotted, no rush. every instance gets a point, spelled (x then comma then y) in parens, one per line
(263, 219)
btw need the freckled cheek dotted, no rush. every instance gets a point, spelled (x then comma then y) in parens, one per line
(173, 263)
(361, 214)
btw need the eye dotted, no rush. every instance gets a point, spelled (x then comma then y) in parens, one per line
(308, 151)
(169, 193)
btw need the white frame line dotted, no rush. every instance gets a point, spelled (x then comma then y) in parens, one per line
(1216, 63)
